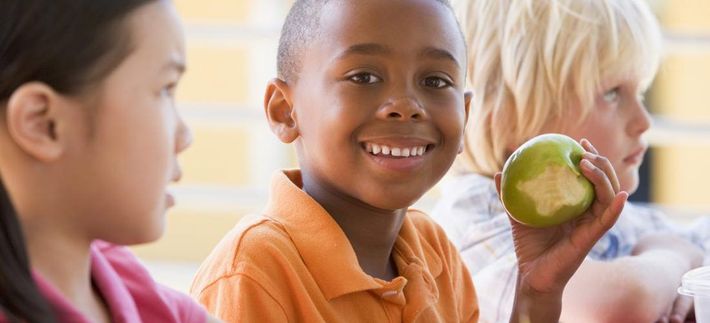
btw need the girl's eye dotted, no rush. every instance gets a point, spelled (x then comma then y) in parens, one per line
(436, 82)
(612, 95)
(364, 78)
(169, 89)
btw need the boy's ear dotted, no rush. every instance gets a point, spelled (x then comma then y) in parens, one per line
(467, 98)
(31, 121)
(279, 111)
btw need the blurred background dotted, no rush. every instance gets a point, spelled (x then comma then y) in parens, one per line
(231, 48)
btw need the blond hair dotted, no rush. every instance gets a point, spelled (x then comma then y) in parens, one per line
(530, 59)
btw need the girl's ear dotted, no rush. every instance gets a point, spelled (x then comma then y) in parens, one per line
(31, 119)
(279, 111)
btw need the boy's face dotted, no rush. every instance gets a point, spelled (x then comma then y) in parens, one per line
(615, 126)
(384, 78)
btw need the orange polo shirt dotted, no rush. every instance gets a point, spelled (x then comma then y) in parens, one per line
(295, 264)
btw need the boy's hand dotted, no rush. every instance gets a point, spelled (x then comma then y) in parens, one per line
(548, 257)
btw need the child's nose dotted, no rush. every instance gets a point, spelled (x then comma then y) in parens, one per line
(403, 109)
(641, 120)
(184, 136)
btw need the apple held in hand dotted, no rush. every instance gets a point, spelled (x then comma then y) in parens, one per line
(542, 184)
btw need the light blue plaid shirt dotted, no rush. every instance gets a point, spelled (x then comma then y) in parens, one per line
(474, 219)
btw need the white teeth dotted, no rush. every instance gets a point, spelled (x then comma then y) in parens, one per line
(377, 149)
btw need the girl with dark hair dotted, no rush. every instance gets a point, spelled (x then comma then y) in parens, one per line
(89, 136)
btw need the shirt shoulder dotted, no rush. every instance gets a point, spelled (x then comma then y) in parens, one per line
(431, 234)
(251, 248)
(427, 229)
(468, 206)
(468, 190)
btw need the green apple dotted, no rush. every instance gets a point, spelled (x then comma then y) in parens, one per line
(542, 184)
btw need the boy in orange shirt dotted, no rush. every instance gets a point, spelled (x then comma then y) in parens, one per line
(371, 93)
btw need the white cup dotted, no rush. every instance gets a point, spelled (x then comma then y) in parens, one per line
(696, 283)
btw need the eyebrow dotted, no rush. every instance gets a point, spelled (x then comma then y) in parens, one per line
(175, 64)
(439, 54)
(377, 49)
(365, 49)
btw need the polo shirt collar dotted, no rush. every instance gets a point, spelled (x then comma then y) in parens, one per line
(323, 245)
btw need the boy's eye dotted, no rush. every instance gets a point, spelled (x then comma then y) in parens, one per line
(612, 95)
(436, 82)
(364, 78)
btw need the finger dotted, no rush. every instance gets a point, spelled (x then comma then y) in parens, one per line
(681, 307)
(587, 145)
(605, 221)
(602, 186)
(587, 233)
(612, 213)
(605, 165)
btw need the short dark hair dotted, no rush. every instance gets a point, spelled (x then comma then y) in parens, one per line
(68, 45)
(300, 28)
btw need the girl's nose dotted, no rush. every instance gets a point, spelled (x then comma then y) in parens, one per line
(184, 136)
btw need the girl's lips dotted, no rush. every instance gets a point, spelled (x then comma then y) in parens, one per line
(169, 200)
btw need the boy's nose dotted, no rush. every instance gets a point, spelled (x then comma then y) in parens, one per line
(641, 120)
(402, 109)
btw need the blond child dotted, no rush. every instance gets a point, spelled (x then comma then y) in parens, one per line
(580, 68)
(371, 94)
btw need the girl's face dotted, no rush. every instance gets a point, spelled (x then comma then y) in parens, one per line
(615, 127)
(130, 155)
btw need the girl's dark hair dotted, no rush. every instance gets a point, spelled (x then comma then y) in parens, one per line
(68, 45)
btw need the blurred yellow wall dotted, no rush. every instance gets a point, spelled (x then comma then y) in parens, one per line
(682, 94)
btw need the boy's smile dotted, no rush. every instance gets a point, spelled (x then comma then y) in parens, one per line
(379, 107)
(399, 148)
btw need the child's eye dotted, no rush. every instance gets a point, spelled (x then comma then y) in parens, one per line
(364, 78)
(612, 95)
(169, 89)
(641, 97)
(436, 82)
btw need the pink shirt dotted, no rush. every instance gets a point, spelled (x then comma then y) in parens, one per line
(130, 293)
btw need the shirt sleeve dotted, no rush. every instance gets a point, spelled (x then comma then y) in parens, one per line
(474, 219)
(468, 300)
(240, 298)
(488, 251)
(496, 289)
